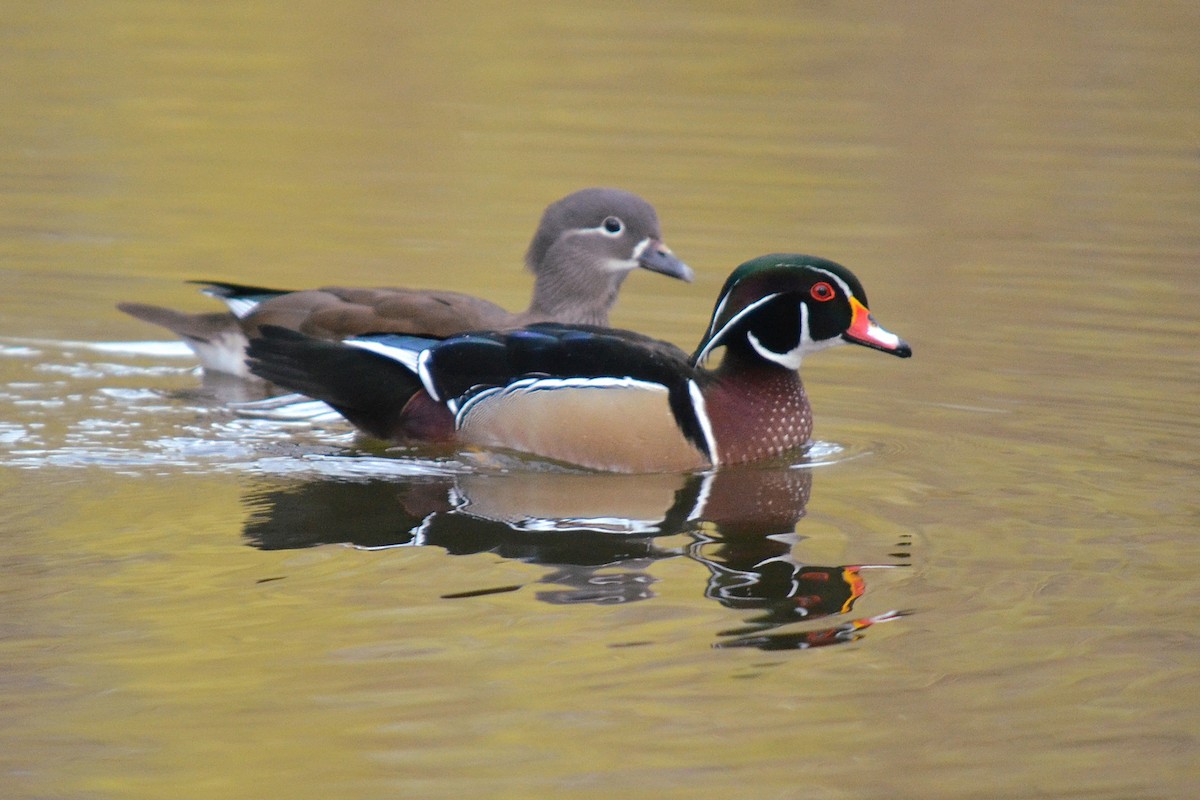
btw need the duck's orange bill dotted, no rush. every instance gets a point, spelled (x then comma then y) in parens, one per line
(864, 331)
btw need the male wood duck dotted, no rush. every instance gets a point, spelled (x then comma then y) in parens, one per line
(595, 397)
(585, 246)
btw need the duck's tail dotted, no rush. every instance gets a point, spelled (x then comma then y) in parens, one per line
(216, 339)
(369, 389)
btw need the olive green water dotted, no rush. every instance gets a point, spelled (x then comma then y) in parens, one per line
(198, 604)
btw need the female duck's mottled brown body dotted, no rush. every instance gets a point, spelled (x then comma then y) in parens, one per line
(585, 246)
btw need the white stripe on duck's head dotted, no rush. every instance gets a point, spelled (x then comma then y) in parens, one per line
(781, 307)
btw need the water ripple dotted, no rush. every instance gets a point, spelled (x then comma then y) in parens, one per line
(76, 404)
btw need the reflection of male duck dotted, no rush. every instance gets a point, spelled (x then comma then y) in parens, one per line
(762, 574)
(599, 532)
(607, 515)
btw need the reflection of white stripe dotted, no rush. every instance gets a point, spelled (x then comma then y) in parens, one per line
(18, 346)
(713, 339)
(701, 410)
(702, 496)
(528, 385)
(601, 524)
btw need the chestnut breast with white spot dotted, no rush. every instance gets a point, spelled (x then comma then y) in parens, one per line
(762, 414)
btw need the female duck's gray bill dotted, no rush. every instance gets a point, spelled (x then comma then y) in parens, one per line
(655, 256)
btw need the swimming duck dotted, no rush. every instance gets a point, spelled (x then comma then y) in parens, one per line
(596, 397)
(583, 249)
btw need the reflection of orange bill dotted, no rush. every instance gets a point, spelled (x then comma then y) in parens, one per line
(857, 587)
(850, 631)
(841, 634)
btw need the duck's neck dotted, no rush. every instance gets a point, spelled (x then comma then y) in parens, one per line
(757, 409)
(575, 297)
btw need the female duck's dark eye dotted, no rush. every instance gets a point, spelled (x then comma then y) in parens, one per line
(821, 292)
(613, 225)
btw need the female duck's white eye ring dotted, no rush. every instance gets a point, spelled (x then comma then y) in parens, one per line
(613, 225)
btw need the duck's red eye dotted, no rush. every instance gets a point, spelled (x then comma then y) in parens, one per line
(822, 292)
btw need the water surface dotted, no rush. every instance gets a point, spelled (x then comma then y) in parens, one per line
(981, 584)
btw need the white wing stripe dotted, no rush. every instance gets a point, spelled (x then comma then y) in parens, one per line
(406, 356)
(241, 307)
(426, 378)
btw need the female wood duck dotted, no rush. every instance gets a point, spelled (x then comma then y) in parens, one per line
(595, 397)
(585, 246)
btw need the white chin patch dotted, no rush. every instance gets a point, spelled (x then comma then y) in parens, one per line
(789, 360)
